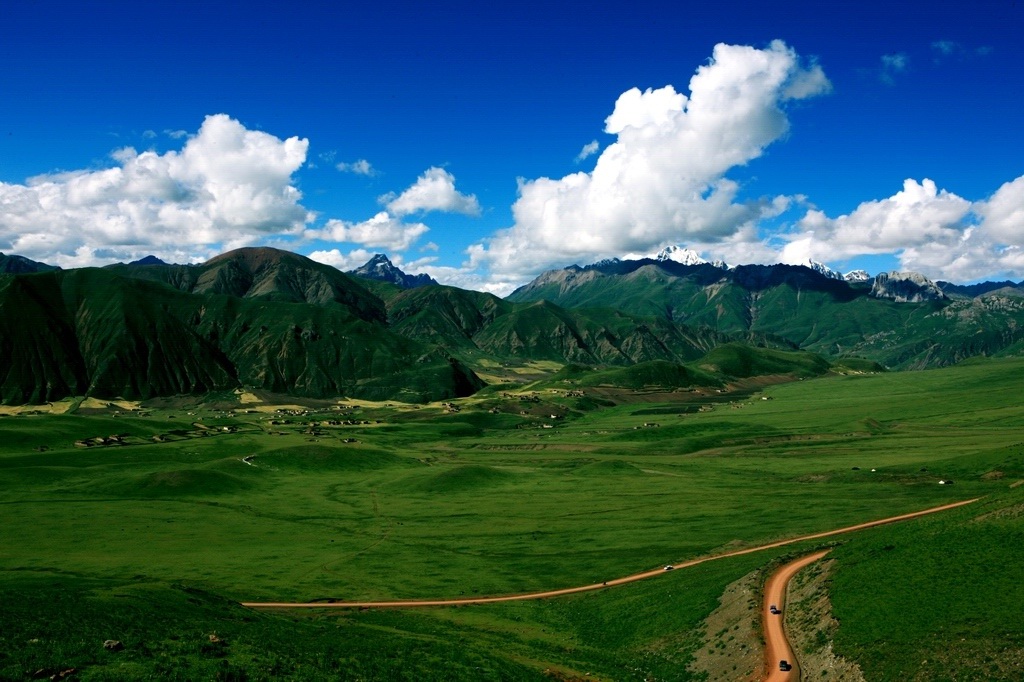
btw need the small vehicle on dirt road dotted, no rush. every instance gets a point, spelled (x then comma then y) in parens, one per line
(669, 567)
(774, 609)
(785, 665)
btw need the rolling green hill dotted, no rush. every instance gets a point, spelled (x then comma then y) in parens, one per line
(739, 361)
(657, 374)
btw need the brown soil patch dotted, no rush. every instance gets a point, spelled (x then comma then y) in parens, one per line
(814, 478)
(731, 649)
(811, 626)
(1012, 512)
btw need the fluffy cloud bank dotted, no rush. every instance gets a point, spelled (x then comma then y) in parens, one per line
(919, 214)
(929, 230)
(663, 179)
(432, 191)
(227, 187)
(381, 231)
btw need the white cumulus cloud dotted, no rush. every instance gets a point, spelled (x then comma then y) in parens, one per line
(919, 214)
(1002, 216)
(432, 191)
(227, 187)
(381, 231)
(663, 179)
(930, 230)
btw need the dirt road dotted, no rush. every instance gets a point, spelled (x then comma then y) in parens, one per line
(777, 646)
(412, 603)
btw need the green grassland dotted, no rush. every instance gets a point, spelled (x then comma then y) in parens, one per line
(155, 541)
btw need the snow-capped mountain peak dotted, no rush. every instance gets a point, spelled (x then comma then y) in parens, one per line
(821, 269)
(857, 276)
(681, 255)
(684, 256)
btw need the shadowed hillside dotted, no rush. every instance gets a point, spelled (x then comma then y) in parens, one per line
(93, 332)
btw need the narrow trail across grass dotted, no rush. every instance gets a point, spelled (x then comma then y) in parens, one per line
(413, 603)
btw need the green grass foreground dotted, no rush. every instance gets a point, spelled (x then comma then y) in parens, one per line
(153, 542)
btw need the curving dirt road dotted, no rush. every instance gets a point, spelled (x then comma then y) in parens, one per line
(776, 647)
(412, 603)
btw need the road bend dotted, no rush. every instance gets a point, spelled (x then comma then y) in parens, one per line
(776, 645)
(416, 603)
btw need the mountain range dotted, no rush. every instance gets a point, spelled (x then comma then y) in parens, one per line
(902, 320)
(274, 320)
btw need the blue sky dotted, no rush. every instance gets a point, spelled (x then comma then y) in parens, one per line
(339, 131)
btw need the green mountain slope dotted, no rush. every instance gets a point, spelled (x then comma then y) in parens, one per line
(473, 321)
(268, 274)
(84, 332)
(444, 315)
(824, 315)
(93, 332)
(19, 264)
(277, 321)
(548, 332)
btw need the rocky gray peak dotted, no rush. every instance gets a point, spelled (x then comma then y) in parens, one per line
(382, 269)
(906, 287)
(857, 276)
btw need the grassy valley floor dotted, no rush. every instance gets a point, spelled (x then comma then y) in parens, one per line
(147, 524)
